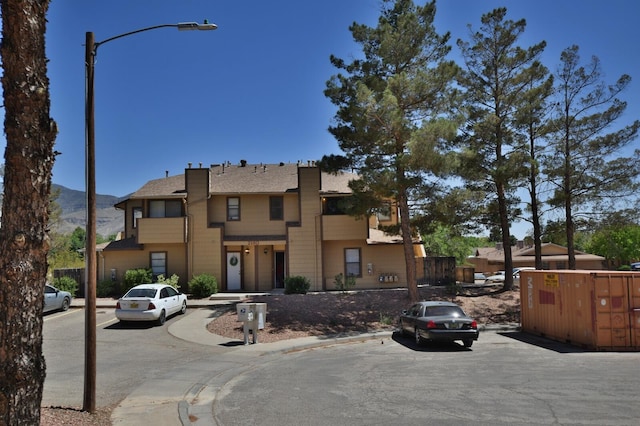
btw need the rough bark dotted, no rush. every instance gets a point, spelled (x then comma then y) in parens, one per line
(29, 158)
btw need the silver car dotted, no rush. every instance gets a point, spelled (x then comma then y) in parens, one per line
(56, 300)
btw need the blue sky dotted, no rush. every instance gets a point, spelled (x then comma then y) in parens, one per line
(253, 89)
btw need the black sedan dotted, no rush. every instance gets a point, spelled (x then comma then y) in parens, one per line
(438, 321)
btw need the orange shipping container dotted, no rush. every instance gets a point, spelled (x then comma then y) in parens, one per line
(594, 309)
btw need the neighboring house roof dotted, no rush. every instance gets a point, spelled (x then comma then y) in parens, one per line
(550, 251)
(124, 244)
(252, 178)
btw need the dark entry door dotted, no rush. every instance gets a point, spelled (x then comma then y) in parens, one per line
(279, 268)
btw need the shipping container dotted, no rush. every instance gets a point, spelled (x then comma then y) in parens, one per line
(593, 309)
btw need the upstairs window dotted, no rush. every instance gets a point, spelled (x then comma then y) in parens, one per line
(276, 208)
(137, 214)
(335, 205)
(165, 208)
(384, 213)
(233, 208)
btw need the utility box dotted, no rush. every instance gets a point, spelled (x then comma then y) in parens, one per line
(594, 309)
(253, 316)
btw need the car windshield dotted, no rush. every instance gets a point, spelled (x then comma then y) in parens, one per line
(442, 311)
(142, 292)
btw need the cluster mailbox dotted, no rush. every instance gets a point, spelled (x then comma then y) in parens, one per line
(253, 317)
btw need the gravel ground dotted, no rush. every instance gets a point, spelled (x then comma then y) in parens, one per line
(314, 314)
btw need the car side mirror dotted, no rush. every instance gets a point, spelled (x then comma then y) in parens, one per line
(404, 312)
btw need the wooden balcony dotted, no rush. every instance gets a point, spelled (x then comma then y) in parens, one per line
(158, 230)
(343, 227)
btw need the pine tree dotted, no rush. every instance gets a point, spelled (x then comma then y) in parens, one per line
(24, 242)
(587, 164)
(391, 104)
(497, 78)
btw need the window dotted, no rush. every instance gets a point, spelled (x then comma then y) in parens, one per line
(165, 208)
(352, 262)
(137, 214)
(335, 205)
(159, 263)
(276, 208)
(233, 208)
(384, 213)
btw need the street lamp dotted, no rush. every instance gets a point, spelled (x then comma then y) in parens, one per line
(89, 401)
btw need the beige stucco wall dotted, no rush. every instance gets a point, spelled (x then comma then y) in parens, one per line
(254, 214)
(123, 260)
(204, 242)
(384, 258)
(305, 247)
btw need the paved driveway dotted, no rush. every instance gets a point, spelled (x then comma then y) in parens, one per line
(504, 379)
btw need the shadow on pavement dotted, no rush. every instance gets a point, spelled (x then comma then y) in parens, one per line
(543, 342)
(409, 343)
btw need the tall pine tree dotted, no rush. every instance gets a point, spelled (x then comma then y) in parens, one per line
(497, 79)
(392, 106)
(27, 183)
(588, 164)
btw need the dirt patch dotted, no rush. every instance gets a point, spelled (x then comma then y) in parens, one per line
(333, 313)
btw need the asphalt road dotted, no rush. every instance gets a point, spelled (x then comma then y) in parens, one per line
(508, 378)
(125, 356)
(502, 380)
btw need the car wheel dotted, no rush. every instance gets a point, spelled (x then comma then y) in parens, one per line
(184, 308)
(162, 318)
(467, 343)
(65, 304)
(417, 336)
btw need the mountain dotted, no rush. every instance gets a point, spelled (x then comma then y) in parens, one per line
(73, 205)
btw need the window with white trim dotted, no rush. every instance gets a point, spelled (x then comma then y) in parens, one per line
(159, 263)
(352, 262)
(233, 208)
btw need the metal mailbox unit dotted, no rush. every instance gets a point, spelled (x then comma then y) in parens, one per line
(595, 309)
(253, 316)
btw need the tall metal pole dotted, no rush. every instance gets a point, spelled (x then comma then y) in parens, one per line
(91, 48)
(89, 400)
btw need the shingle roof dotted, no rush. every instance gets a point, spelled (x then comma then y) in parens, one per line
(252, 178)
(168, 186)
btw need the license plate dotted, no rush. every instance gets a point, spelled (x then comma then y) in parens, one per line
(454, 325)
(133, 305)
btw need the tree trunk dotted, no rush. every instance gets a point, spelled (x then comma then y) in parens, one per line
(506, 238)
(407, 242)
(24, 242)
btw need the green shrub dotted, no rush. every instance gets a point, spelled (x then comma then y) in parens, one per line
(107, 288)
(172, 281)
(133, 277)
(203, 285)
(296, 285)
(66, 284)
(343, 284)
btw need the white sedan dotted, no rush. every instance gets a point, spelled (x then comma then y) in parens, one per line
(151, 302)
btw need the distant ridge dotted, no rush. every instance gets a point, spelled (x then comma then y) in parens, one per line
(72, 203)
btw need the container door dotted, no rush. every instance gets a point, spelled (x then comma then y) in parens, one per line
(612, 311)
(634, 303)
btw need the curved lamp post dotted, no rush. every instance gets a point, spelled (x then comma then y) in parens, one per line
(89, 401)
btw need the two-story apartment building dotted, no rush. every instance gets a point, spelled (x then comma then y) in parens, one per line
(251, 226)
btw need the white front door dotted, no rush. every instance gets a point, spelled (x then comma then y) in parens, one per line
(233, 271)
